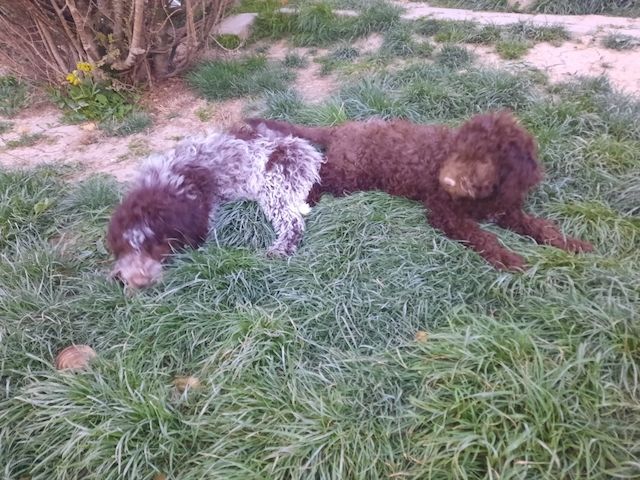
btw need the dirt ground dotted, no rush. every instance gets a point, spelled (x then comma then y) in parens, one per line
(177, 112)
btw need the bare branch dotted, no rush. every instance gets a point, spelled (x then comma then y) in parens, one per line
(50, 44)
(135, 49)
(65, 26)
(85, 34)
(142, 40)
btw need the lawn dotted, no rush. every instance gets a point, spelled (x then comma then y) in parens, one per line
(629, 8)
(380, 350)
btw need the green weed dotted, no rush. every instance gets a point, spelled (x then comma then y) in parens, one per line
(498, 5)
(223, 79)
(88, 96)
(316, 23)
(13, 95)
(510, 49)
(584, 7)
(228, 41)
(25, 140)
(205, 113)
(453, 56)
(618, 41)
(294, 60)
(399, 42)
(5, 126)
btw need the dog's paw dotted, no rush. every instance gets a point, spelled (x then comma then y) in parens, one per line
(275, 253)
(281, 251)
(577, 246)
(508, 261)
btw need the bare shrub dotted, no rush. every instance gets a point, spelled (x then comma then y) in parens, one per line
(136, 40)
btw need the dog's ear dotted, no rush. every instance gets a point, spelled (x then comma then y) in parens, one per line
(520, 170)
(520, 154)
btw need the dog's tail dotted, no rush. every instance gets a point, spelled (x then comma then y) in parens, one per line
(317, 135)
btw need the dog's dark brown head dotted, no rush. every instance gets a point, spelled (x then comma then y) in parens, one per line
(148, 226)
(491, 153)
(139, 249)
(469, 176)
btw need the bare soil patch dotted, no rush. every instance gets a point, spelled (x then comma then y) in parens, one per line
(174, 110)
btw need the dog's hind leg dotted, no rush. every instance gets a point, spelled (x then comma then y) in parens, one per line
(542, 231)
(288, 223)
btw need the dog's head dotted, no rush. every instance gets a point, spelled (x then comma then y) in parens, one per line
(490, 152)
(139, 247)
(469, 176)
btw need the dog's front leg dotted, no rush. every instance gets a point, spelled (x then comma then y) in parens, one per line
(542, 231)
(288, 223)
(467, 231)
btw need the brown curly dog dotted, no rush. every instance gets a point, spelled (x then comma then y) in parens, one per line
(481, 170)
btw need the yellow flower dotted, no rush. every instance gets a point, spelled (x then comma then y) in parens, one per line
(73, 78)
(84, 66)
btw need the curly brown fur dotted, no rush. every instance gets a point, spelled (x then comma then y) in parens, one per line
(176, 192)
(481, 170)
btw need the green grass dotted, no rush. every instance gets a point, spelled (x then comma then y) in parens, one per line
(619, 41)
(453, 56)
(380, 350)
(205, 113)
(309, 367)
(256, 6)
(5, 126)
(498, 5)
(25, 140)
(317, 24)
(344, 52)
(418, 92)
(583, 7)
(135, 122)
(511, 41)
(510, 49)
(294, 60)
(457, 31)
(341, 56)
(555, 34)
(399, 42)
(13, 95)
(228, 41)
(567, 7)
(222, 79)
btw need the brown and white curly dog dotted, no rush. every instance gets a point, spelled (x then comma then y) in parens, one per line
(481, 170)
(176, 192)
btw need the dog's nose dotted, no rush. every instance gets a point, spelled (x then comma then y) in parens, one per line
(138, 281)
